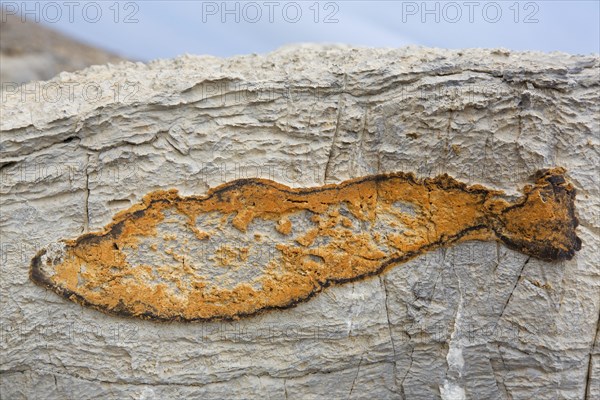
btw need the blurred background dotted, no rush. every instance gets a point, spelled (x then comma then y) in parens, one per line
(38, 39)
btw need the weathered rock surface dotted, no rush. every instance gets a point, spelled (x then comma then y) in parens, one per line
(472, 321)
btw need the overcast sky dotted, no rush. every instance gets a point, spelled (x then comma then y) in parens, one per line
(146, 30)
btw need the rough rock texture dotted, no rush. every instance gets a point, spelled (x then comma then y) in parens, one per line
(31, 52)
(475, 321)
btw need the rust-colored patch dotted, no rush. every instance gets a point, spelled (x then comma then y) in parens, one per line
(253, 244)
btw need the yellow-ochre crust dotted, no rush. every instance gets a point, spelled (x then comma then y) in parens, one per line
(315, 237)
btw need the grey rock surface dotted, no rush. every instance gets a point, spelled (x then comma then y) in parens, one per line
(475, 321)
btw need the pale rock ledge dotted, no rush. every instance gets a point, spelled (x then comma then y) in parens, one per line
(475, 321)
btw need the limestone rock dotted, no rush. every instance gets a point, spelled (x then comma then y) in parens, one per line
(473, 321)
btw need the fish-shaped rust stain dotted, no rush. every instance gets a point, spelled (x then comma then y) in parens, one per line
(253, 244)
